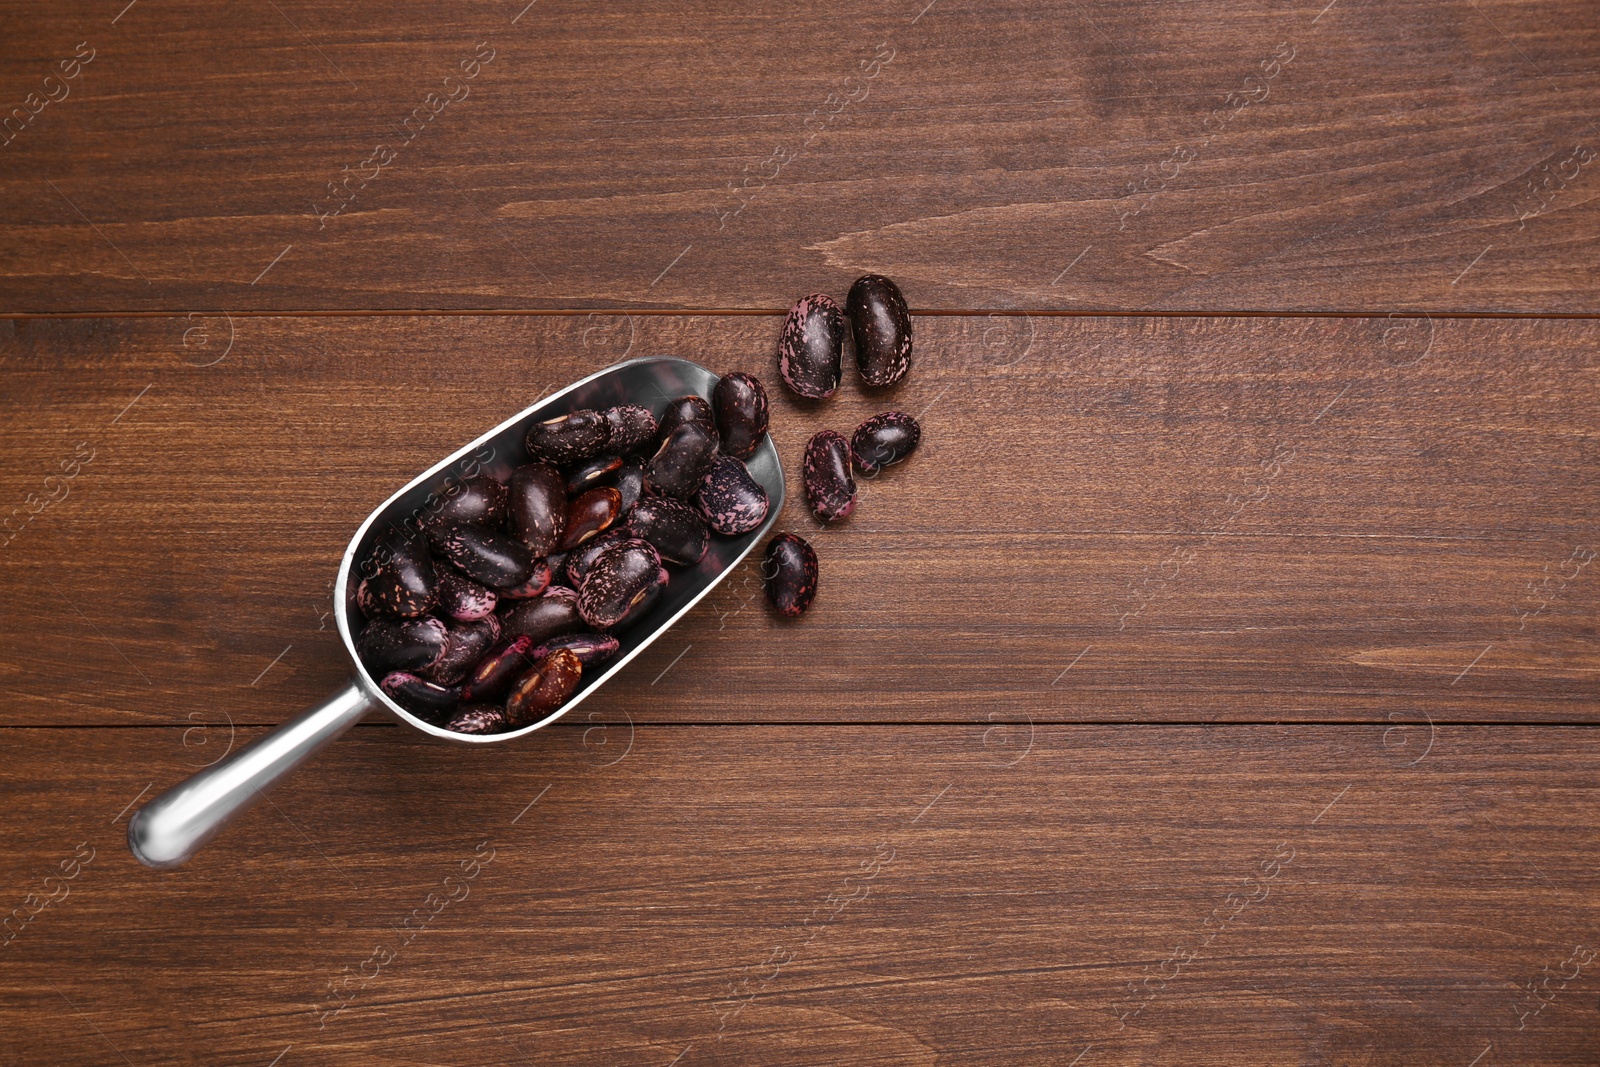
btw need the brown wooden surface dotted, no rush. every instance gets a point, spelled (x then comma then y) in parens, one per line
(1190, 584)
(993, 145)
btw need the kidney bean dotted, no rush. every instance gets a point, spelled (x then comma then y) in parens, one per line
(543, 617)
(463, 599)
(478, 719)
(881, 325)
(400, 576)
(597, 471)
(829, 485)
(494, 559)
(400, 644)
(418, 695)
(740, 404)
(884, 440)
(681, 462)
(538, 502)
(570, 438)
(591, 513)
(492, 675)
(542, 690)
(676, 530)
(732, 501)
(630, 427)
(537, 583)
(617, 579)
(790, 571)
(478, 501)
(685, 409)
(811, 346)
(630, 483)
(642, 605)
(591, 649)
(578, 559)
(464, 646)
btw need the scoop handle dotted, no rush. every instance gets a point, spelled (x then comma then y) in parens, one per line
(173, 826)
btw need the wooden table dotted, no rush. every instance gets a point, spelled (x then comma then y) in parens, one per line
(1215, 687)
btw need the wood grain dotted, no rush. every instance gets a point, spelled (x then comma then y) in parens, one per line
(798, 895)
(1180, 519)
(1235, 156)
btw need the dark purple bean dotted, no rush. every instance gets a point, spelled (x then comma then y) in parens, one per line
(676, 530)
(366, 602)
(630, 426)
(732, 501)
(542, 690)
(740, 403)
(790, 571)
(538, 506)
(478, 719)
(544, 617)
(591, 513)
(811, 346)
(617, 580)
(642, 605)
(494, 559)
(630, 483)
(568, 439)
(682, 461)
(492, 675)
(464, 646)
(420, 696)
(884, 440)
(881, 325)
(685, 409)
(401, 580)
(578, 559)
(830, 487)
(479, 501)
(463, 599)
(591, 649)
(536, 584)
(400, 644)
(597, 471)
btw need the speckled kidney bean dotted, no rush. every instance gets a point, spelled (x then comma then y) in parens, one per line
(597, 471)
(400, 644)
(881, 326)
(884, 440)
(463, 599)
(630, 427)
(740, 404)
(418, 695)
(494, 559)
(591, 649)
(401, 579)
(542, 690)
(811, 347)
(732, 501)
(790, 573)
(681, 462)
(478, 719)
(643, 604)
(690, 408)
(676, 530)
(536, 584)
(543, 617)
(589, 514)
(578, 559)
(492, 675)
(538, 502)
(829, 485)
(478, 501)
(465, 644)
(617, 580)
(570, 438)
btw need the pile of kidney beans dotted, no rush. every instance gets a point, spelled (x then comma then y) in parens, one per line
(811, 363)
(484, 614)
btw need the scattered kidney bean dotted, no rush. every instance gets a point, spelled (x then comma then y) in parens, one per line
(732, 501)
(418, 695)
(790, 571)
(478, 501)
(494, 559)
(578, 559)
(829, 485)
(543, 689)
(402, 578)
(570, 438)
(463, 599)
(676, 530)
(543, 617)
(691, 408)
(538, 502)
(681, 462)
(881, 325)
(478, 719)
(884, 440)
(464, 645)
(811, 347)
(740, 404)
(589, 514)
(400, 644)
(617, 579)
(629, 426)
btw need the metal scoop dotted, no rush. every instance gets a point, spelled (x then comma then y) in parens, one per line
(173, 826)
